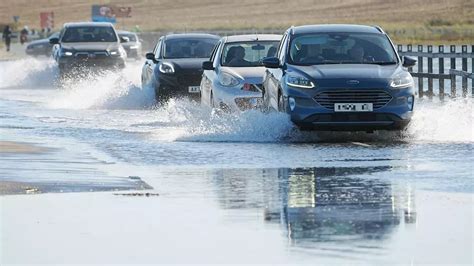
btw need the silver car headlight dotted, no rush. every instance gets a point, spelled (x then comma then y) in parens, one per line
(166, 68)
(299, 82)
(228, 80)
(402, 81)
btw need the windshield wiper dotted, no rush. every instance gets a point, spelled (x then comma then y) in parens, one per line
(382, 63)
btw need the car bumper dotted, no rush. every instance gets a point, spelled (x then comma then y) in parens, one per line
(308, 113)
(70, 63)
(174, 85)
(236, 99)
(133, 53)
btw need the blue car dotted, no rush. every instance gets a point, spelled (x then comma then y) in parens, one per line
(340, 78)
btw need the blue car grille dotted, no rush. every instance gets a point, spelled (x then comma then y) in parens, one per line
(378, 99)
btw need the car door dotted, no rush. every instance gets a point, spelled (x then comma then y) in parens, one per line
(148, 68)
(209, 76)
(274, 75)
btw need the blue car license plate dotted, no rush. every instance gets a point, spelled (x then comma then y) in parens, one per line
(353, 107)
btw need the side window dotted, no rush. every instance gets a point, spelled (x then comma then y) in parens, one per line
(61, 33)
(214, 51)
(157, 50)
(282, 48)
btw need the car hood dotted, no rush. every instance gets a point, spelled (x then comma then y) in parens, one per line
(249, 74)
(39, 42)
(128, 44)
(187, 63)
(352, 75)
(96, 46)
(347, 71)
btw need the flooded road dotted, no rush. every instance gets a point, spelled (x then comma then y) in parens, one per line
(233, 188)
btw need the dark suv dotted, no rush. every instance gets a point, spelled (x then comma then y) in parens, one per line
(340, 77)
(174, 68)
(88, 44)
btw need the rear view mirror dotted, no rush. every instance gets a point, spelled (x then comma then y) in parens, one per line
(150, 56)
(124, 39)
(54, 41)
(258, 47)
(409, 61)
(207, 65)
(271, 62)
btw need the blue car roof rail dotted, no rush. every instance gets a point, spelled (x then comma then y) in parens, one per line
(291, 29)
(379, 29)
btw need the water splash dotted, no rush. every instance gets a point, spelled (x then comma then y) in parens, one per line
(450, 121)
(186, 120)
(28, 72)
(109, 90)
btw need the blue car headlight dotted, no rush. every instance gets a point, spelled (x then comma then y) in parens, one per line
(402, 81)
(299, 82)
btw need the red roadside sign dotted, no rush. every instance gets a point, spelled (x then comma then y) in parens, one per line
(47, 20)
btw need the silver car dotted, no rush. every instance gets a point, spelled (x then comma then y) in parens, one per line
(233, 76)
(133, 45)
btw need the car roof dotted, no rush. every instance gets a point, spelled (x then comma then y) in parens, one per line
(125, 32)
(252, 37)
(88, 24)
(335, 28)
(191, 35)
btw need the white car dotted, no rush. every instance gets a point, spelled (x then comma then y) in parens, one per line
(233, 76)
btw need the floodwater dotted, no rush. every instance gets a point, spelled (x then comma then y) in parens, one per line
(233, 188)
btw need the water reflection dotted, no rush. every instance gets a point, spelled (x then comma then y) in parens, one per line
(320, 205)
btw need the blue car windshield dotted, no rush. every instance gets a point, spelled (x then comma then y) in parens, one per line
(341, 48)
(247, 54)
(189, 48)
(89, 34)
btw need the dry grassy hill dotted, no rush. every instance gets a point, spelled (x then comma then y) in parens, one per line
(258, 14)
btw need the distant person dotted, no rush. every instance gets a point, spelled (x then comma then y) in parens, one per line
(7, 37)
(24, 35)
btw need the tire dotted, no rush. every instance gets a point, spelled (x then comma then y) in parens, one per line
(211, 101)
(281, 103)
(266, 102)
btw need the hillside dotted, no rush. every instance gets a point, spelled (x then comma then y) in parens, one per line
(149, 15)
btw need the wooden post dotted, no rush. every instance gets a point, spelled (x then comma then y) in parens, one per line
(441, 71)
(464, 68)
(430, 70)
(409, 49)
(420, 70)
(452, 49)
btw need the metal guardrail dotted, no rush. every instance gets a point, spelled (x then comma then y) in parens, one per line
(426, 54)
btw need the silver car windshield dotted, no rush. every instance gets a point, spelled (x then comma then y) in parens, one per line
(89, 34)
(341, 48)
(247, 54)
(131, 37)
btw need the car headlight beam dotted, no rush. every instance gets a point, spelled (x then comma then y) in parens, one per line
(299, 82)
(228, 80)
(166, 68)
(402, 81)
